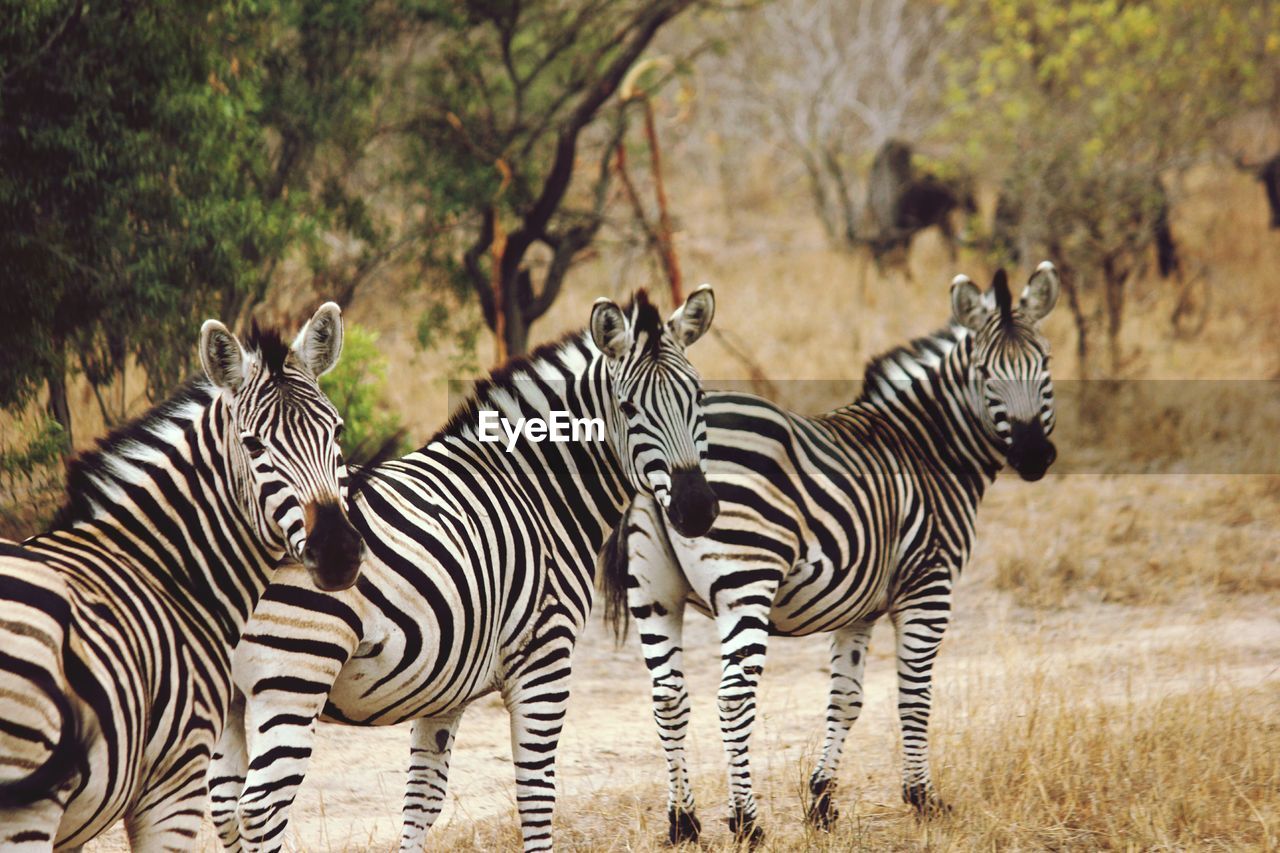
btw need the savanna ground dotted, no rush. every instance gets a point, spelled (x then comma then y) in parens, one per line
(1111, 679)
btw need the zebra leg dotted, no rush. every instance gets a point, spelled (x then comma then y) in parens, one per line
(280, 729)
(656, 593)
(848, 660)
(919, 627)
(536, 692)
(429, 751)
(743, 624)
(227, 770)
(660, 622)
(173, 824)
(31, 829)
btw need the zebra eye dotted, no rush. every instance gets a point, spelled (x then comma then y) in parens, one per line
(702, 396)
(628, 408)
(339, 431)
(251, 444)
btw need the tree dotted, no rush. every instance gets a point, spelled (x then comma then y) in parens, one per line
(158, 169)
(1081, 109)
(508, 97)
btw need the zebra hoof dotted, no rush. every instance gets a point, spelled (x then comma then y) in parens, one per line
(822, 814)
(745, 830)
(682, 826)
(924, 801)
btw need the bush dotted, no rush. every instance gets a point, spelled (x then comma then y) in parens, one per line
(31, 478)
(358, 386)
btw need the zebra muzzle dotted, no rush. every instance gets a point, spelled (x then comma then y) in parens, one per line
(334, 550)
(693, 506)
(1030, 450)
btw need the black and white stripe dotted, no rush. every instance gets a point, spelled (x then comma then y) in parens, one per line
(118, 622)
(830, 522)
(480, 576)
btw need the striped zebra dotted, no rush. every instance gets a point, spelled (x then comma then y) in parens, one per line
(117, 625)
(480, 575)
(830, 522)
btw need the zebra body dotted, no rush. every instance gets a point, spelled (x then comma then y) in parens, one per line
(479, 579)
(118, 623)
(828, 523)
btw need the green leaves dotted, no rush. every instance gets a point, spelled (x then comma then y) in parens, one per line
(168, 154)
(358, 387)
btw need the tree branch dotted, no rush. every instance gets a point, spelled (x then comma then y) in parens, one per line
(561, 172)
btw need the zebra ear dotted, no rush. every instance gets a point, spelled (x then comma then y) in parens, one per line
(692, 319)
(968, 306)
(221, 355)
(1041, 292)
(319, 344)
(609, 329)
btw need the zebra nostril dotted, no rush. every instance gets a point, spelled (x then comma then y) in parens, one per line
(308, 555)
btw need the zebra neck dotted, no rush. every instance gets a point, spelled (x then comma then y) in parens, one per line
(924, 388)
(579, 483)
(161, 504)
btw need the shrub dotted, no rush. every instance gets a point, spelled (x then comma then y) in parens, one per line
(31, 477)
(358, 387)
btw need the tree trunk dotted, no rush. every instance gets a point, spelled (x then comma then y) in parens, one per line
(516, 331)
(58, 408)
(1114, 282)
(1068, 278)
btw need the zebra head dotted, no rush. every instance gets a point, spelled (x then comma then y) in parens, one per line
(655, 413)
(282, 445)
(1009, 384)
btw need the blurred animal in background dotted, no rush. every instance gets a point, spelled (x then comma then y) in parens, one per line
(902, 202)
(1269, 174)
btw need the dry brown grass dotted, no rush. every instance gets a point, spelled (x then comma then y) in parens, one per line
(1143, 540)
(1041, 757)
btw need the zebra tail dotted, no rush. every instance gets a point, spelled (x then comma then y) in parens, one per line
(69, 755)
(613, 580)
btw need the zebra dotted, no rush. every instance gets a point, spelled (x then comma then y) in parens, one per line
(118, 622)
(829, 523)
(480, 575)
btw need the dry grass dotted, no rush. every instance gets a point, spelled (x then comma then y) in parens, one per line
(1043, 756)
(1144, 540)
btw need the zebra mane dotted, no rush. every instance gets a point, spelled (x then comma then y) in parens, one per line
(560, 354)
(270, 346)
(149, 433)
(886, 373)
(91, 469)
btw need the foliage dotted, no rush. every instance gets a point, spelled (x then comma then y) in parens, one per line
(358, 388)
(30, 476)
(166, 151)
(1081, 109)
(45, 448)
